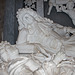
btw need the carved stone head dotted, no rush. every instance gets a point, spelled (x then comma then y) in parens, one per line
(70, 5)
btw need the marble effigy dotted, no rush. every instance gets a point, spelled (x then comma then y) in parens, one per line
(49, 48)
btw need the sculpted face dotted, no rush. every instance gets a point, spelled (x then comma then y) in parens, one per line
(70, 5)
(28, 19)
(24, 20)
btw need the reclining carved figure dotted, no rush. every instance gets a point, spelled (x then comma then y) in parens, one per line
(51, 52)
(43, 34)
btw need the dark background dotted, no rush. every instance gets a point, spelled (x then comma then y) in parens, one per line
(2, 6)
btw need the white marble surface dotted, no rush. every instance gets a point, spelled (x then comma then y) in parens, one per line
(49, 48)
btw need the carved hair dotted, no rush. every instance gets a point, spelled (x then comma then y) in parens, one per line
(22, 12)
